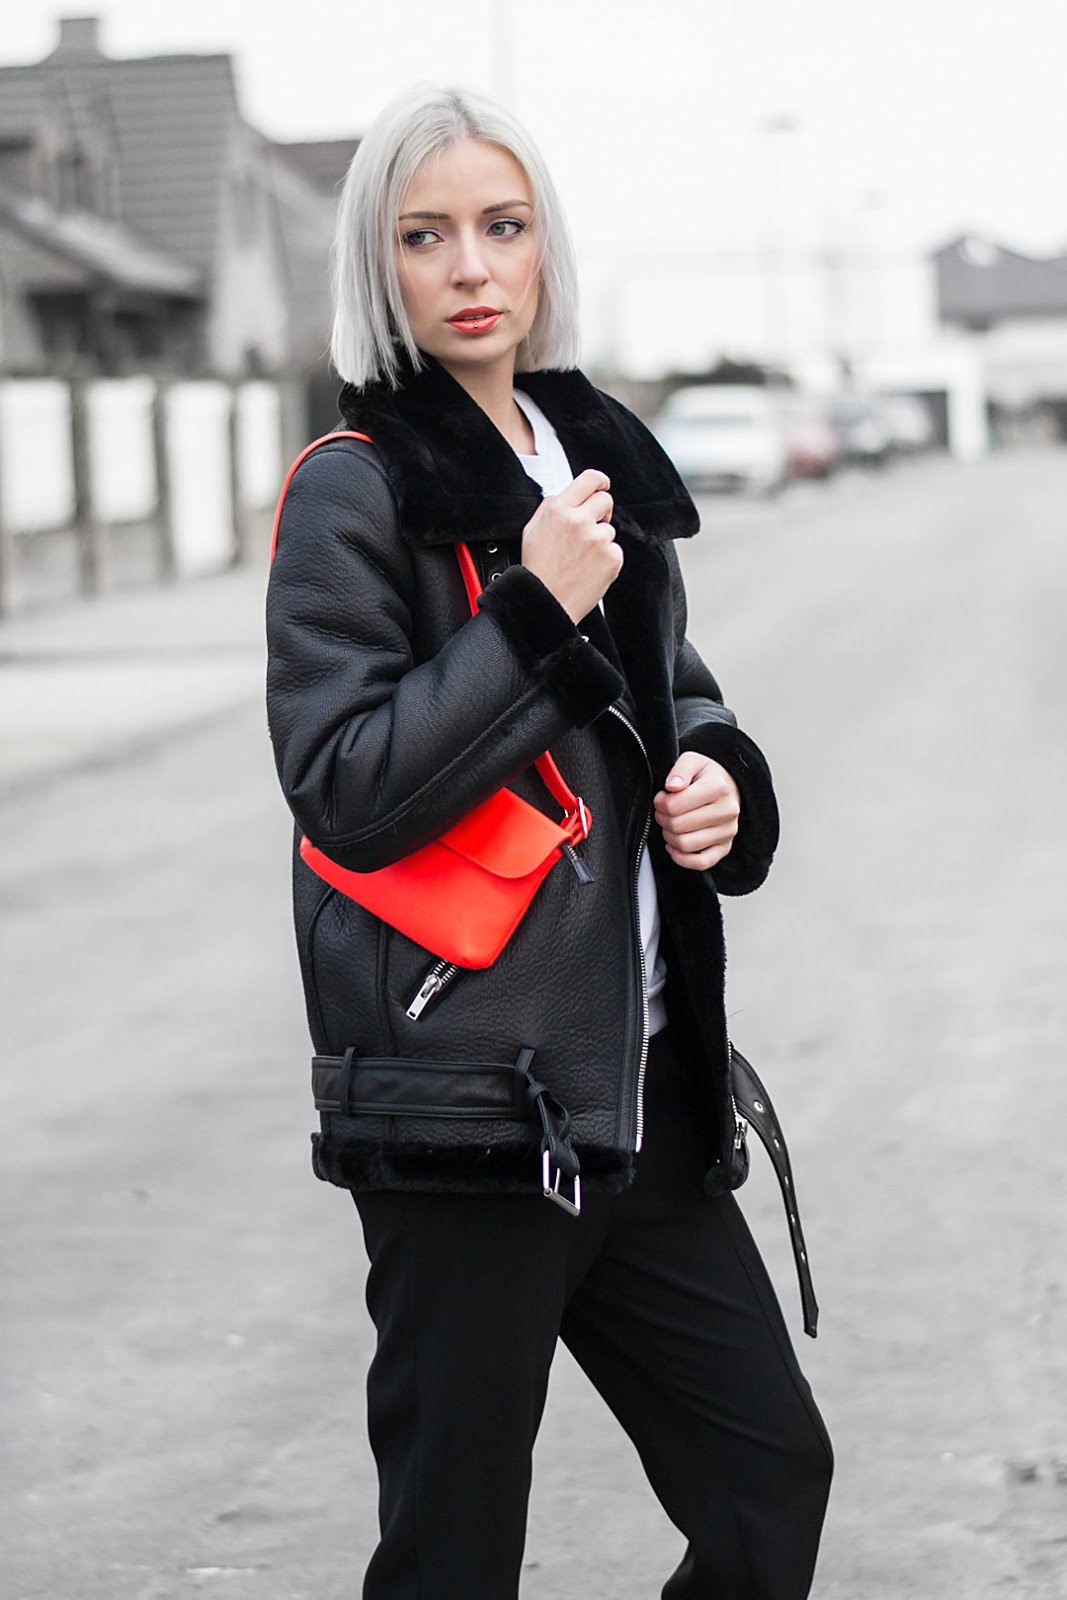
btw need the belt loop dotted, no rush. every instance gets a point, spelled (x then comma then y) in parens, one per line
(523, 1077)
(344, 1081)
(557, 1154)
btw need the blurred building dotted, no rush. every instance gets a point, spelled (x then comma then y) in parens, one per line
(145, 225)
(1013, 310)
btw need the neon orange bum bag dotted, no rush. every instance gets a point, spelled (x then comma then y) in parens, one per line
(463, 895)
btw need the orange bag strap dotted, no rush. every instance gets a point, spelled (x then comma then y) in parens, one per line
(550, 773)
(551, 776)
(345, 433)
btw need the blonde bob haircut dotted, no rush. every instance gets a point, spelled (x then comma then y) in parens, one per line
(370, 324)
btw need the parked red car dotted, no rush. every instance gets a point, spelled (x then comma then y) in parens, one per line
(812, 445)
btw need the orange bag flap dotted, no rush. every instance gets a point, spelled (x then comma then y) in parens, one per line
(505, 835)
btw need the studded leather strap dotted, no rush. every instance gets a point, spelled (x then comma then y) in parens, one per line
(754, 1105)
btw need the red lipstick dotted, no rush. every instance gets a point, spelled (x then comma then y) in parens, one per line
(475, 319)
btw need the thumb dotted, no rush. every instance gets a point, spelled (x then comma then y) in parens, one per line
(685, 769)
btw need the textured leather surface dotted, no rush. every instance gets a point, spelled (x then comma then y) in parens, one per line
(392, 712)
(379, 751)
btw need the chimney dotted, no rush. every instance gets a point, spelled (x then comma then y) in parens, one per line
(78, 39)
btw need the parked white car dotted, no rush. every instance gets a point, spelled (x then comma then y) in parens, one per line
(862, 428)
(911, 426)
(725, 436)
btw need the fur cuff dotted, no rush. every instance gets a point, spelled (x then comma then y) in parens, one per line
(749, 861)
(549, 645)
(418, 1170)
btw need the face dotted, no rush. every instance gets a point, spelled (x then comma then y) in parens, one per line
(468, 257)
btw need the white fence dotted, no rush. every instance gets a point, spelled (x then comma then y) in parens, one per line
(113, 481)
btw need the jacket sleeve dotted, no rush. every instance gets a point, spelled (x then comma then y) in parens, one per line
(378, 753)
(706, 725)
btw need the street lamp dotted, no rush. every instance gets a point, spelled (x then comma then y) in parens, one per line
(502, 26)
(775, 302)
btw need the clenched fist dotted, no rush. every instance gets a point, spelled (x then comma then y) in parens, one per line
(569, 543)
(697, 811)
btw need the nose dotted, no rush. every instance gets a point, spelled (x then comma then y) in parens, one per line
(468, 262)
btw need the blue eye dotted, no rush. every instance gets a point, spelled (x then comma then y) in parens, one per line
(507, 222)
(415, 238)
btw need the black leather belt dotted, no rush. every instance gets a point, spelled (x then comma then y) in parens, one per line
(389, 1086)
(754, 1107)
(386, 1086)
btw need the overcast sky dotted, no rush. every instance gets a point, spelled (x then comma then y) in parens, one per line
(913, 120)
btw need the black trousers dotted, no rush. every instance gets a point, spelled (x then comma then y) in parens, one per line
(661, 1296)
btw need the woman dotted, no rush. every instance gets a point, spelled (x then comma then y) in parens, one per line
(393, 712)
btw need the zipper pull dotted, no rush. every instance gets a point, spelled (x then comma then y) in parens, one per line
(431, 985)
(581, 869)
(740, 1125)
(439, 977)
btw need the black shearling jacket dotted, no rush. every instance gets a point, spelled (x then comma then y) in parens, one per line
(393, 711)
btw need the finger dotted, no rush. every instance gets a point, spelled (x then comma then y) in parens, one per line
(702, 861)
(689, 844)
(712, 786)
(586, 483)
(600, 506)
(695, 802)
(699, 837)
(708, 819)
(688, 765)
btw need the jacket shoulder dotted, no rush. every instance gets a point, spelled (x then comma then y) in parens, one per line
(338, 464)
(339, 486)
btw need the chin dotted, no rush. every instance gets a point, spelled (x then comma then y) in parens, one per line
(464, 351)
(485, 356)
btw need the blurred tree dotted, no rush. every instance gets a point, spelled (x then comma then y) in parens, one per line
(726, 370)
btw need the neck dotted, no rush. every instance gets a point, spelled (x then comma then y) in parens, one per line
(490, 387)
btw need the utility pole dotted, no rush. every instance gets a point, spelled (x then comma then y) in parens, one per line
(833, 262)
(868, 205)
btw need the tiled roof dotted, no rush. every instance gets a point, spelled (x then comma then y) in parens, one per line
(979, 282)
(323, 162)
(61, 248)
(171, 117)
(30, 267)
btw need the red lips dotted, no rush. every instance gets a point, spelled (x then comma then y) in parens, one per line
(475, 319)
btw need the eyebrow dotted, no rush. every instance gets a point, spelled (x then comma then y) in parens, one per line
(443, 216)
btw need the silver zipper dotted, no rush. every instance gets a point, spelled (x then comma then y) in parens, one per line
(740, 1125)
(439, 977)
(643, 1063)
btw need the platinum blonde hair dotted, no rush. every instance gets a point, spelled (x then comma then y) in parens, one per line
(370, 323)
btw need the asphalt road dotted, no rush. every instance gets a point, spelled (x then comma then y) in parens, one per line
(183, 1334)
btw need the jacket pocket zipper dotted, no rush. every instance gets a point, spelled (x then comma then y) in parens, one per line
(436, 981)
(581, 868)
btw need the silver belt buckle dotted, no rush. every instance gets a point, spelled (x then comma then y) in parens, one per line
(551, 1190)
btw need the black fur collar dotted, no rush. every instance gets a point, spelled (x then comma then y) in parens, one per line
(456, 477)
